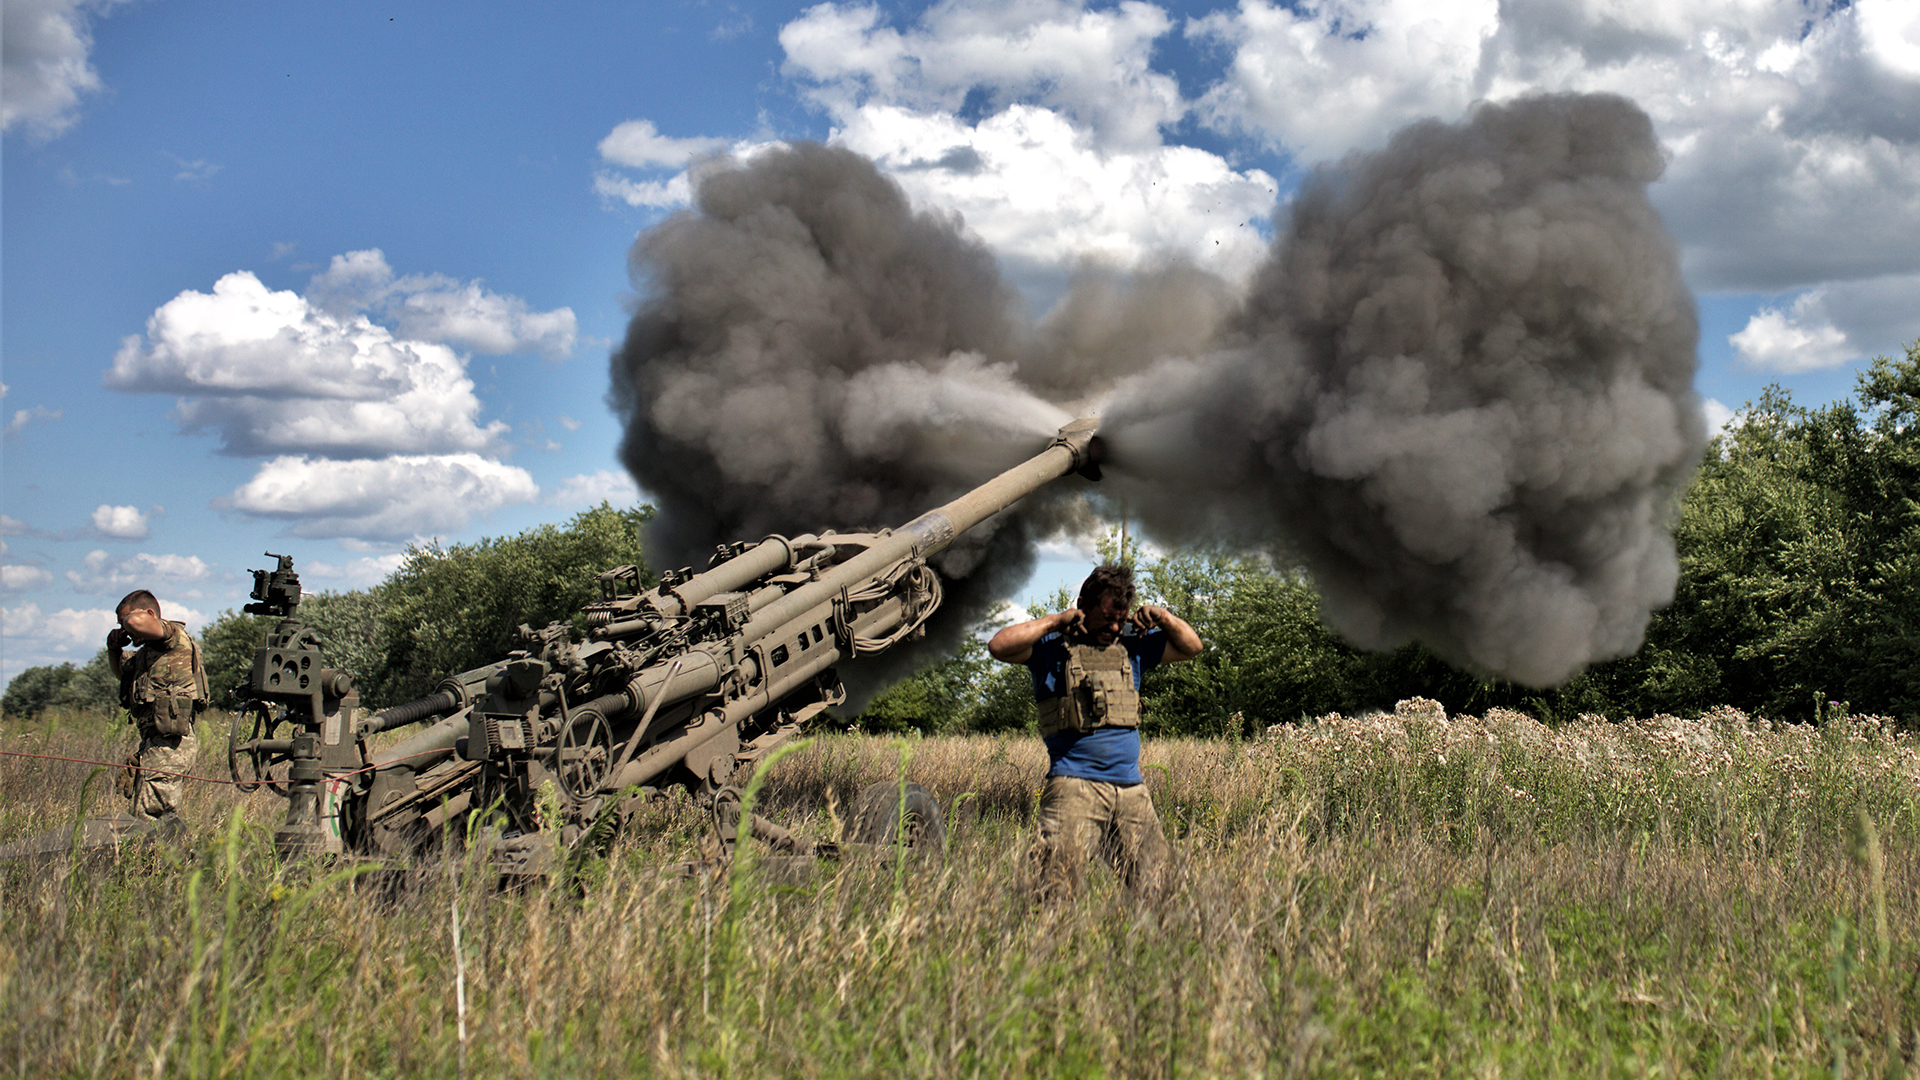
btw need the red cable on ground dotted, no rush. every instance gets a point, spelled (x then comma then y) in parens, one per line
(112, 765)
(190, 776)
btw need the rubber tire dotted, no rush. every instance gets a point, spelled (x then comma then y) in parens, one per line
(876, 818)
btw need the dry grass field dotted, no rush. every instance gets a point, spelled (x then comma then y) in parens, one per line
(1393, 895)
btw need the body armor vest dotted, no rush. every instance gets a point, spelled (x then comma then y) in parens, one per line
(164, 691)
(1098, 693)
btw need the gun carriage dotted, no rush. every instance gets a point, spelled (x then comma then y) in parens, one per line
(682, 685)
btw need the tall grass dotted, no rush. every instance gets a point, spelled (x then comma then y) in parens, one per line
(1388, 895)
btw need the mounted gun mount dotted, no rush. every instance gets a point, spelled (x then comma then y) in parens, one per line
(290, 684)
(680, 686)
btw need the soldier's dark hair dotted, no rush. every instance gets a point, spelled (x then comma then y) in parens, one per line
(138, 599)
(1108, 579)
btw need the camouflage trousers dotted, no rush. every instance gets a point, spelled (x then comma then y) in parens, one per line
(1079, 817)
(155, 795)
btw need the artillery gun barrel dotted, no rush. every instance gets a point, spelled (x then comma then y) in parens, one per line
(703, 669)
(770, 555)
(932, 532)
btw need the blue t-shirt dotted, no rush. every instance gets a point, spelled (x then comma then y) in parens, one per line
(1109, 754)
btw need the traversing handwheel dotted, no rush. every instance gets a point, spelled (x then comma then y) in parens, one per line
(585, 754)
(251, 726)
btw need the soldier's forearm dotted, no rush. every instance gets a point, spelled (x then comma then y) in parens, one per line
(1015, 643)
(1181, 638)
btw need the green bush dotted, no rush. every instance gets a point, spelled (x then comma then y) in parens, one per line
(971, 692)
(89, 688)
(33, 690)
(93, 687)
(446, 610)
(452, 609)
(226, 650)
(1799, 549)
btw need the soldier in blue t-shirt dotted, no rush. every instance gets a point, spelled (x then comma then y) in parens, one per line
(1087, 662)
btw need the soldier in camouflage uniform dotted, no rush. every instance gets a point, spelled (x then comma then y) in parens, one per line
(162, 687)
(1087, 663)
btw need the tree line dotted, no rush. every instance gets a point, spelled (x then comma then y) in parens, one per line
(1799, 547)
(447, 609)
(1799, 594)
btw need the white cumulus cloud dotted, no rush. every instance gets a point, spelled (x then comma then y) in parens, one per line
(354, 573)
(23, 417)
(1041, 123)
(1891, 31)
(195, 619)
(45, 66)
(1832, 325)
(668, 161)
(101, 572)
(1322, 78)
(1794, 130)
(1035, 188)
(592, 489)
(63, 630)
(1798, 339)
(273, 373)
(120, 522)
(653, 194)
(84, 628)
(1070, 547)
(637, 143)
(658, 156)
(1095, 66)
(1051, 126)
(393, 498)
(14, 577)
(435, 307)
(353, 390)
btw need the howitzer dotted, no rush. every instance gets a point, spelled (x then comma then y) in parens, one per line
(682, 685)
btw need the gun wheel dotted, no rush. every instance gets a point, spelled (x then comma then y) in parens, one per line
(243, 745)
(585, 754)
(891, 810)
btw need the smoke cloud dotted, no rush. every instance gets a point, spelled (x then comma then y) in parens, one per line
(814, 354)
(1462, 391)
(1459, 390)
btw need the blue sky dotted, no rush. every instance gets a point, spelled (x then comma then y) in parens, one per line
(328, 279)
